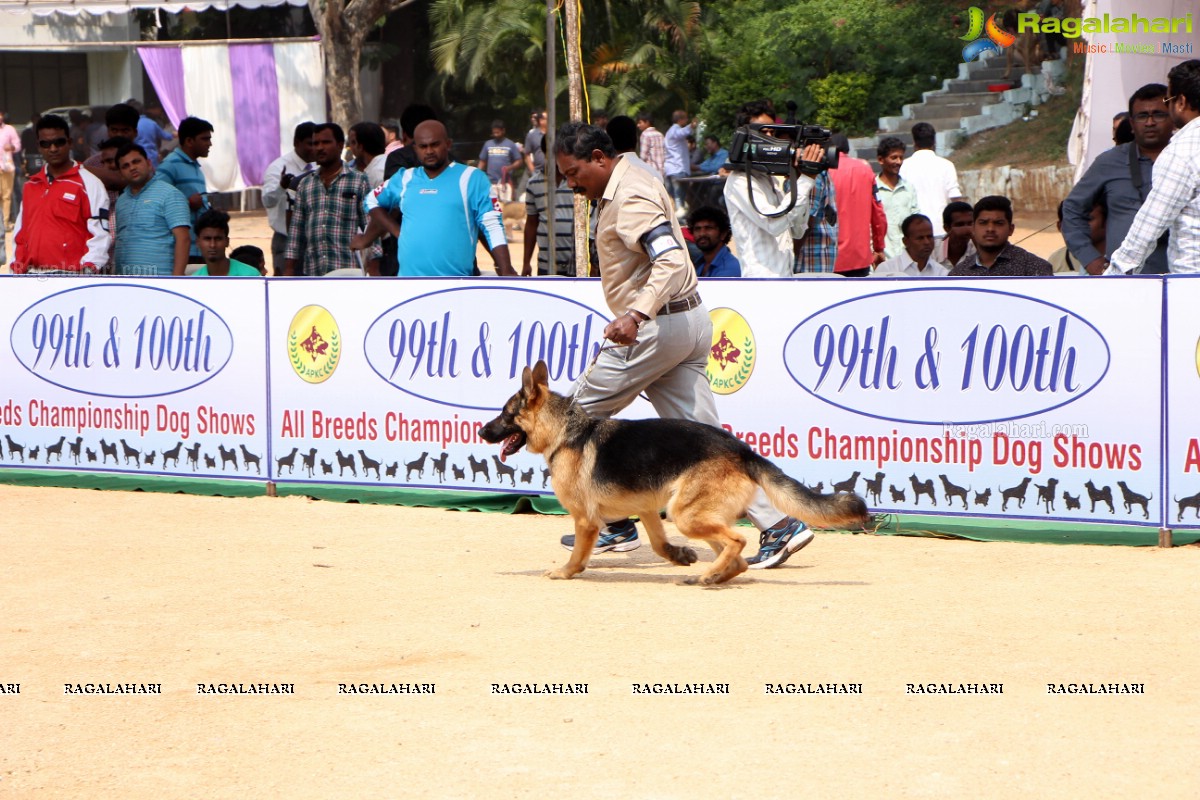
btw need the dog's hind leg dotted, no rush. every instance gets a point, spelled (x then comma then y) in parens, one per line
(700, 522)
(701, 513)
(724, 541)
(586, 534)
(683, 556)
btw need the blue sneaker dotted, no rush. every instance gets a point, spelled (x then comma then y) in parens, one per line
(776, 545)
(617, 537)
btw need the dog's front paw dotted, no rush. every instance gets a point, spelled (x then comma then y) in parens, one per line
(560, 574)
(683, 556)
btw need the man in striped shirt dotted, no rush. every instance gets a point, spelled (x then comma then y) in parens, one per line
(153, 237)
(653, 144)
(536, 232)
(1174, 202)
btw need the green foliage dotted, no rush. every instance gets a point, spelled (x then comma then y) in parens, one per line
(842, 62)
(748, 75)
(637, 55)
(809, 52)
(841, 98)
(493, 49)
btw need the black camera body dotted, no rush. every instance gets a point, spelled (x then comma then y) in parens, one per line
(771, 148)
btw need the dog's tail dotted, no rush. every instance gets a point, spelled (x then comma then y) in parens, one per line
(843, 510)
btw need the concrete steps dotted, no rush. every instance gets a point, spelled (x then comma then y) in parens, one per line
(963, 106)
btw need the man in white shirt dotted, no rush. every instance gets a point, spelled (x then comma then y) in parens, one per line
(934, 178)
(279, 190)
(915, 260)
(764, 242)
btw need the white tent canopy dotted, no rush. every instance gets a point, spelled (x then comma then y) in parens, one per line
(44, 8)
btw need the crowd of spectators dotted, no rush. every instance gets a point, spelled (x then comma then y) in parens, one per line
(127, 195)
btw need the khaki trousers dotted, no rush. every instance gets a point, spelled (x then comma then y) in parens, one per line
(7, 181)
(668, 363)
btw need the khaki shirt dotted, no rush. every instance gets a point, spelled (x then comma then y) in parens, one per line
(634, 203)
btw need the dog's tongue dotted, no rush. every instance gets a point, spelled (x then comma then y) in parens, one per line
(504, 447)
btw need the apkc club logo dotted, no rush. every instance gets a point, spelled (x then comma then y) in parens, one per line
(731, 357)
(984, 38)
(314, 344)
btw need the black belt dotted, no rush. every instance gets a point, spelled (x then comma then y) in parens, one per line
(682, 304)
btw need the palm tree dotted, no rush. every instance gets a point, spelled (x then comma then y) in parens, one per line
(645, 57)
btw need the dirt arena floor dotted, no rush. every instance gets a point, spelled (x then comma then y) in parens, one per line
(129, 588)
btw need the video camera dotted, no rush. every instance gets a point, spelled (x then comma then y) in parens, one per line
(770, 147)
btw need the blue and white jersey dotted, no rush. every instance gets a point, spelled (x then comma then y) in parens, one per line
(442, 219)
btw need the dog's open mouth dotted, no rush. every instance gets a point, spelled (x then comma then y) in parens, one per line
(512, 444)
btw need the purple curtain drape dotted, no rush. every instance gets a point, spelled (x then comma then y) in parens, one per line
(164, 65)
(255, 108)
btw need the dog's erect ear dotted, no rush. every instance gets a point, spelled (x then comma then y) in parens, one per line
(541, 374)
(527, 381)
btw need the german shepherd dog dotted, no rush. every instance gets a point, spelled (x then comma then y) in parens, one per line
(611, 469)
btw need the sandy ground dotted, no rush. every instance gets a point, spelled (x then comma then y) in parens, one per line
(116, 587)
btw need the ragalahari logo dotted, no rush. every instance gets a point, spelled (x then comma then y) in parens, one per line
(984, 37)
(731, 357)
(314, 344)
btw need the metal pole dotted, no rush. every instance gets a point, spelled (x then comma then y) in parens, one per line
(550, 173)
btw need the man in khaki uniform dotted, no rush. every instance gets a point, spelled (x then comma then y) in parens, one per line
(660, 322)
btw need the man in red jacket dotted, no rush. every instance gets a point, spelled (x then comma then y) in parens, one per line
(63, 225)
(862, 224)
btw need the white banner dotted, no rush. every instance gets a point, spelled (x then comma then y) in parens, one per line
(147, 376)
(1005, 398)
(1011, 398)
(995, 397)
(1182, 496)
(387, 383)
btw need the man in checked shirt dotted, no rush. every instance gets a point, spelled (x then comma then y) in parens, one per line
(328, 212)
(1174, 202)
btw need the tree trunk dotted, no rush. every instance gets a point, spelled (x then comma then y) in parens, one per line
(342, 51)
(344, 26)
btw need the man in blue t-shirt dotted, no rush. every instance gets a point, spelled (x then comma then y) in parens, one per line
(152, 219)
(181, 169)
(150, 135)
(445, 205)
(497, 158)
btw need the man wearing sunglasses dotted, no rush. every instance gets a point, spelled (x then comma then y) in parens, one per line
(1121, 179)
(63, 225)
(1174, 203)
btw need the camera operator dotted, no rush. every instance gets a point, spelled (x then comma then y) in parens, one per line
(764, 243)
